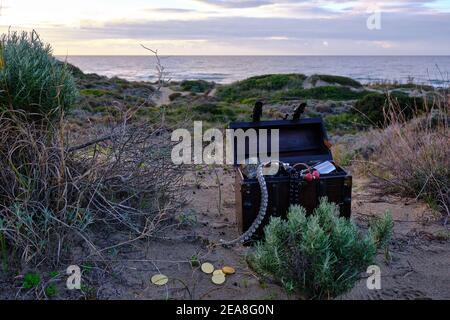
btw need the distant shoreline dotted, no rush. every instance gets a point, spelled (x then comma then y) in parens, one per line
(429, 70)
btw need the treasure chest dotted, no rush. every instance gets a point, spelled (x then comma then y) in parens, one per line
(303, 145)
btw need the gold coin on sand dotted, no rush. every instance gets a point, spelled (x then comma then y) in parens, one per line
(228, 270)
(207, 267)
(159, 279)
(218, 272)
(218, 279)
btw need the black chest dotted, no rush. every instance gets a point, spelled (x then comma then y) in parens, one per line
(301, 141)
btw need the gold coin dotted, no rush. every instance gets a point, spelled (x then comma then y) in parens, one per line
(218, 279)
(159, 279)
(207, 267)
(218, 272)
(228, 270)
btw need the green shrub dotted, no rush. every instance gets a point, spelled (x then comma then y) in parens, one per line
(95, 92)
(321, 93)
(372, 107)
(271, 82)
(343, 81)
(405, 86)
(31, 79)
(342, 123)
(214, 112)
(51, 290)
(234, 93)
(197, 86)
(212, 108)
(174, 96)
(321, 255)
(259, 86)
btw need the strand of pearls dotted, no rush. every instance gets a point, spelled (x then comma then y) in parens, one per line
(247, 235)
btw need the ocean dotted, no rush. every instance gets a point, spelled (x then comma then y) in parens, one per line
(434, 70)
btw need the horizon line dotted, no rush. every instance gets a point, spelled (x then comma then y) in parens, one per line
(254, 55)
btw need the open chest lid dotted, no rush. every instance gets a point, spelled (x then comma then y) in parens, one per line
(302, 140)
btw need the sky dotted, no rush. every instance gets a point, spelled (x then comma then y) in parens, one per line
(235, 27)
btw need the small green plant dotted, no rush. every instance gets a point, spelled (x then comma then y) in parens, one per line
(381, 228)
(31, 280)
(195, 262)
(320, 255)
(51, 290)
(187, 219)
(53, 274)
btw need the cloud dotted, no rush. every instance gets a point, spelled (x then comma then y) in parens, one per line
(170, 10)
(263, 27)
(277, 38)
(384, 44)
(237, 3)
(336, 5)
(343, 34)
(393, 27)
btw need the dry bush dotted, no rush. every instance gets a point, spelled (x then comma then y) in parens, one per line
(51, 193)
(413, 157)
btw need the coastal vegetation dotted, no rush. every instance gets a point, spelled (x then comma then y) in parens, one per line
(411, 155)
(373, 107)
(328, 92)
(339, 80)
(197, 86)
(59, 185)
(85, 169)
(322, 254)
(348, 108)
(21, 86)
(280, 87)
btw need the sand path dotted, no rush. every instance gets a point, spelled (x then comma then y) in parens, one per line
(418, 268)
